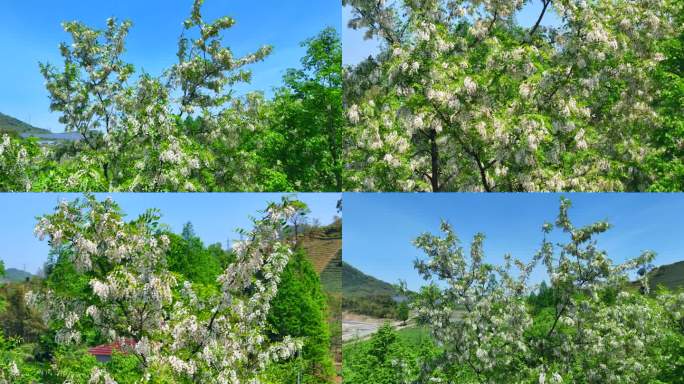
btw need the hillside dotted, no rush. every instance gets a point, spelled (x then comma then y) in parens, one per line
(670, 276)
(357, 284)
(324, 247)
(11, 124)
(15, 275)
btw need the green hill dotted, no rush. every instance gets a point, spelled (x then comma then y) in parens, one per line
(11, 124)
(357, 284)
(15, 275)
(670, 276)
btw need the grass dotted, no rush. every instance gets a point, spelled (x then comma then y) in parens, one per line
(414, 335)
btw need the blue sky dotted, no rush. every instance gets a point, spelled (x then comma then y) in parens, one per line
(355, 48)
(30, 32)
(215, 216)
(379, 228)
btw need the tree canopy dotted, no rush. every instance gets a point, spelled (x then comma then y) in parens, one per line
(462, 97)
(183, 129)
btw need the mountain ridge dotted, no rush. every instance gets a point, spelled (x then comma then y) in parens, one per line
(12, 124)
(15, 275)
(356, 283)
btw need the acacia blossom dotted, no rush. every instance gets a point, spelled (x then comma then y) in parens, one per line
(133, 130)
(219, 338)
(561, 107)
(15, 164)
(480, 316)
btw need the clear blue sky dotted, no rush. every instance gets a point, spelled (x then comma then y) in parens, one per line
(215, 216)
(30, 32)
(379, 228)
(355, 48)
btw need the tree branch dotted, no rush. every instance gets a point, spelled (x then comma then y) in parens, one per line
(541, 16)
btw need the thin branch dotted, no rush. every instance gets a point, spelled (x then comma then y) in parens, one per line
(541, 16)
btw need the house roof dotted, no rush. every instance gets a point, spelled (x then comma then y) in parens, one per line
(107, 349)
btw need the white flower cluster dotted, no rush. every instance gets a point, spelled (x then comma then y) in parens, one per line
(480, 315)
(15, 165)
(449, 64)
(215, 339)
(9, 373)
(133, 131)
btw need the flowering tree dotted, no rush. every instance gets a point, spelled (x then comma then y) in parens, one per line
(131, 125)
(184, 129)
(461, 97)
(15, 166)
(180, 333)
(596, 329)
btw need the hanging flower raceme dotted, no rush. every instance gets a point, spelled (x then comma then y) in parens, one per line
(481, 79)
(132, 295)
(596, 329)
(134, 134)
(17, 161)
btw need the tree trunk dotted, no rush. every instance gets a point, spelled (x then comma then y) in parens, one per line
(434, 154)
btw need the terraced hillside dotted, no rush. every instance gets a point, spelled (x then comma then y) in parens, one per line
(331, 276)
(324, 247)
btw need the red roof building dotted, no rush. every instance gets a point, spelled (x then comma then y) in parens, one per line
(103, 353)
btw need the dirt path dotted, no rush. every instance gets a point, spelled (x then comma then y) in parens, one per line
(359, 327)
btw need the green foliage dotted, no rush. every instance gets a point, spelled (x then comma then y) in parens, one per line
(72, 365)
(17, 319)
(14, 358)
(61, 276)
(668, 163)
(188, 256)
(125, 368)
(76, 366)
(300, 310)
(18, 170)
(382, 306)
(389, 357)
(403, 311)
(299, 220)
(303, 144)
(544, 297)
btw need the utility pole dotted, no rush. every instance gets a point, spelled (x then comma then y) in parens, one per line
(299, 374)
